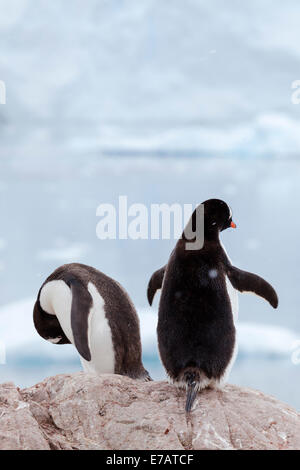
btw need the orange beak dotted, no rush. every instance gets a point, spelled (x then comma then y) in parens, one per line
(232, 225)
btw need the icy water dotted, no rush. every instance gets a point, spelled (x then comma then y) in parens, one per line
(278, 378)
(48, 211)
(49, 218)
(163, 102)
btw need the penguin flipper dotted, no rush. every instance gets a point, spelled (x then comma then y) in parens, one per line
(155, 283)
(81, 304)
(244, 281)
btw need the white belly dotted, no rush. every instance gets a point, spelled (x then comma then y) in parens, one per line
(234, 299)
(56, 299)
(233, 296)
(232, 293)
(100, 339)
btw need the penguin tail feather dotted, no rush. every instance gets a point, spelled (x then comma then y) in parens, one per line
(191, 377)
(190, 398)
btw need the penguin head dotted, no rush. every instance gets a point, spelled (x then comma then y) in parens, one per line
(217, 216)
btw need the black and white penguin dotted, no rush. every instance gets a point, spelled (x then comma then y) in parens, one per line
(78, 304)
(198, 306)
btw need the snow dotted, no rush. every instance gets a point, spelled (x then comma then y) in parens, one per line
(265, 340)
(24, 344)
(21, 340)
(254, 339)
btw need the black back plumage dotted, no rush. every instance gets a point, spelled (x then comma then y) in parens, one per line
(196, 332)
(119, 311)
(195, 326)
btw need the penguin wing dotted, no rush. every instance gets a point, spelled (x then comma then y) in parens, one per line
(155, 283)
(248, 282)
(81, 304)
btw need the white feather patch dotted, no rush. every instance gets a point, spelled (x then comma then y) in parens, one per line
(54, 340)
(99, 337)
(56, 299)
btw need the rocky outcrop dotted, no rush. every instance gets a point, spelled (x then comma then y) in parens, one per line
(112, 412)
(18, 428)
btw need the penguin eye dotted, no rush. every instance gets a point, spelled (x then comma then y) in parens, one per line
(214, 223)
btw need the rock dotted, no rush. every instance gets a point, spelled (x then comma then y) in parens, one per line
(18, 428)
(113, 412)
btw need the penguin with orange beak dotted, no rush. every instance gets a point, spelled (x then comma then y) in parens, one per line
(198, 304)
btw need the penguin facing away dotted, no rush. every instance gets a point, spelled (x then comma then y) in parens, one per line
(198, 306)
(78, 304)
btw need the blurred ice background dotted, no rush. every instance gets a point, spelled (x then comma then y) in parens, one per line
(162, 101)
